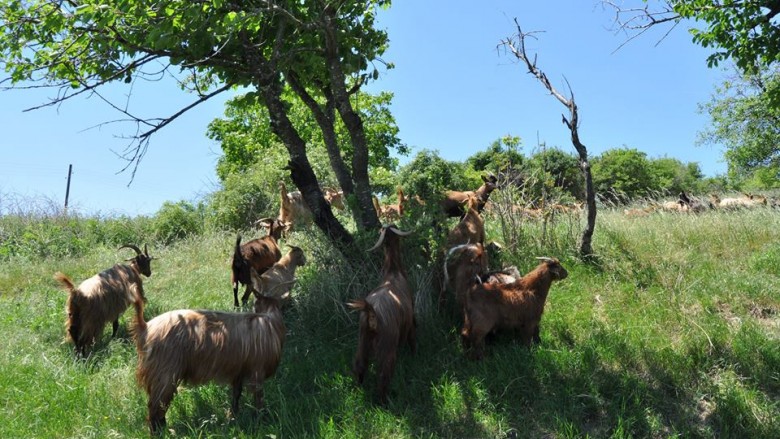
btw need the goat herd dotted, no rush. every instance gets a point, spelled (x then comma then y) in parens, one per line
(237, 348)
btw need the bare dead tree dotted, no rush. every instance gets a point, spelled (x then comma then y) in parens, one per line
(516, 45)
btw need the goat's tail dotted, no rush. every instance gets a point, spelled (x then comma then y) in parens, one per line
(366, 309)
(67, 283)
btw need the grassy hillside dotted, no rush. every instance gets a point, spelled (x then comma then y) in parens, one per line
(675, 331)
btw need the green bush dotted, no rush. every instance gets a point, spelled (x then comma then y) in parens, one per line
(175, 221)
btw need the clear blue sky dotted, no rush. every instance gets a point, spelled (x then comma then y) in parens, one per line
(455, 92)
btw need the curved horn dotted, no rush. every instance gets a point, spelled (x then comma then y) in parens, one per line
(379, 241)
(545, 258)
(398, 231)
(131, 246)
(263, 220)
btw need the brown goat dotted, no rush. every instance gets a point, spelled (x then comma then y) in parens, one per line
(294, 211)
(516, 305)
(386, 315)
(103, 298)
(259, 254)
(391, 212)
(471, 227)
(466, 266)
(278, 280)
(196, 347)
(452, 204)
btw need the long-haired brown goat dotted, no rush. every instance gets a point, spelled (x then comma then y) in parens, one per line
(259, 254)
(452, 204)
(386, 315)
(103, 298)
(196, 347)
(516, 305)
(278, 280)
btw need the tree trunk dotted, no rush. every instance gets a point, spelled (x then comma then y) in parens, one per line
(301, 171)
(326, 121)
(353, 123)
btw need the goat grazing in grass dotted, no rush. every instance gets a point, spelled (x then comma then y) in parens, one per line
(103, 298)
(197, 347)
(453, 201)
(278, 280)
(386, 315)
(258, 254)
(492, 306)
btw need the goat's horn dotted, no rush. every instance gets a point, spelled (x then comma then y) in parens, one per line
(398, 231)
(544, 258)
(262, 220)
(137, 250)
(379, 241)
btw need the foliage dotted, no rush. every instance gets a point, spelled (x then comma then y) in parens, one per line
(246, 137)
(176, 221)
(560, 170)
(747, 122)
(502, 156)
(622, 174)
(428, 176)
(243, 199)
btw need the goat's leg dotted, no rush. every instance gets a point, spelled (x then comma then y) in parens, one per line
(235, 295)
(256, 387)
(237, 386)
(536, 337)
(114, 327)
(247, 292)
(158, 405)
(387, 367)
(412, 336)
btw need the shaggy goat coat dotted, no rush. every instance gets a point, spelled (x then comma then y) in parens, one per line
(196, 347)
(386, 316)
(102, 298)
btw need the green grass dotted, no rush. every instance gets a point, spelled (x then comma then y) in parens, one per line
(674, 332)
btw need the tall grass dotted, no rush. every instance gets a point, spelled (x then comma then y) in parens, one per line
(673, 332)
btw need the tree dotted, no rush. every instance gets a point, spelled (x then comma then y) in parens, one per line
(563, 169)
(745, 120)
(516, 46)
(746, 31)
(673, 176)
(623, 174)
(248, 142)
(323, 51)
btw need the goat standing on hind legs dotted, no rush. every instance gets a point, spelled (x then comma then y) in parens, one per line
(386, 315)
(103, 298)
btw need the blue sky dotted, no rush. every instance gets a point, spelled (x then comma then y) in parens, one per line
(455, 92)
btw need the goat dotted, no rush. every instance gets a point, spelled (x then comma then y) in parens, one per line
(470, 228)
(334, 197)
(293, 210)
(103, 298)
(386, 315)
(391, 212)
(196, 347)
(515, 305)
(748, 200)
(259, 254)
(465, 266)
(452, 204)
(503, 276)
(278, 280)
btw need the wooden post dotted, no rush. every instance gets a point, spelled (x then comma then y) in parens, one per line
(67, 188)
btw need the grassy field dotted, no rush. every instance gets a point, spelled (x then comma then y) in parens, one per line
(674, 331)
